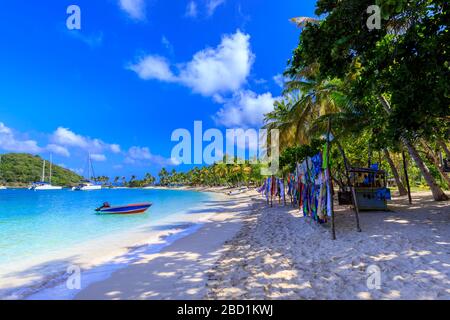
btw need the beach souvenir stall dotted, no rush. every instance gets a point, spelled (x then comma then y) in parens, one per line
(370, 187)
(310, 187)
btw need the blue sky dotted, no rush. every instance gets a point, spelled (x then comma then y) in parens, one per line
(136, 71)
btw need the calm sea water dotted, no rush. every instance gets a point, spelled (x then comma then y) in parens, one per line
(40, 222)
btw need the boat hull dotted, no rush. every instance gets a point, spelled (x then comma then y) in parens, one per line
(87, 188)
(129, 209)
(45, 187)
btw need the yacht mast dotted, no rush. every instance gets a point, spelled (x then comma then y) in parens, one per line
(51, 161)
(89, 167)
(43, 172)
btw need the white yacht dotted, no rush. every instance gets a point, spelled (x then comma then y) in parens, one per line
(42, 185)
(88, 185)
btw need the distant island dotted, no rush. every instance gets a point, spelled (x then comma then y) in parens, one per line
(19, 169)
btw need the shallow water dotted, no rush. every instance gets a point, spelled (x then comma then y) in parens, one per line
(34, 223)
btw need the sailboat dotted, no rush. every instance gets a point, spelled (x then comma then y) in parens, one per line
(87, 184)
(42, 185)
(2, 187)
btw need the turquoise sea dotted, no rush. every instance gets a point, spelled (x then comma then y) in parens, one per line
(36, 223)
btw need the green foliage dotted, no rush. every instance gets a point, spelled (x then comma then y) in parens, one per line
(406, 60)
(293, 155)
(22, 169)
(219, 174)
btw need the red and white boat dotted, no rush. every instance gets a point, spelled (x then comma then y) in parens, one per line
(126, 209)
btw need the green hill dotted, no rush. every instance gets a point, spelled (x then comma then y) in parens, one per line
(21, 169)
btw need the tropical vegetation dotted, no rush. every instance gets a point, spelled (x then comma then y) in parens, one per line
(21, 169)
(385, 91)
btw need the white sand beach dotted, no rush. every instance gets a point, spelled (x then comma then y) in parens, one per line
(235, 247)
(250, 251)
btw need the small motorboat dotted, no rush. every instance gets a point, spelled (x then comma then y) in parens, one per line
(127, 209)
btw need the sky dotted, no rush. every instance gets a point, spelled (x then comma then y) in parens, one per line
(136, 71)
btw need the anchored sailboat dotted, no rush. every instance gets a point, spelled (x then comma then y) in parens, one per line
(42, 185)
(87, 184)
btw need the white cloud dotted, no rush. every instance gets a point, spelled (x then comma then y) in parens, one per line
(142, 155)
(280, 80)
(9, 142)
(245, 109)
(212, 5)
(98, 157)
(191, 10)
(167, 44)
(134, 8)
(115, 148)
(153, 67)
(222, 69)
(56, 149)
(211, 71)
(64, 137)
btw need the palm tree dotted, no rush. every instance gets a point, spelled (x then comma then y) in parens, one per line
(163, 176)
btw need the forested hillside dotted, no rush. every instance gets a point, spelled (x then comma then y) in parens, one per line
(21, 169)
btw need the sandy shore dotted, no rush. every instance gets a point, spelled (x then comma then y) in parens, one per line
(280, 255)
(249, 251)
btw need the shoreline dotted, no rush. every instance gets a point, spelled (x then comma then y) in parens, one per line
(243, 249)
(180, 270)
(262, 253)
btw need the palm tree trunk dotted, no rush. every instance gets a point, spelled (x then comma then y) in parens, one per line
(431, 156)
(401, 187)
(437, 192)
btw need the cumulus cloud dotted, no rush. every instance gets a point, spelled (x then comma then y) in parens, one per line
(115, 148)
(153, 67)
(191, 10)
(245, 109)
(59, 150)
(9, 142)
(134, 8)
(212, 5)
(98, 157)
(211, 71)
(280, 80)
(64, 137)
(142, 155)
